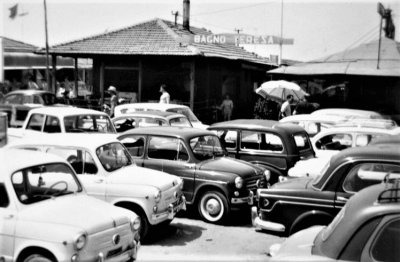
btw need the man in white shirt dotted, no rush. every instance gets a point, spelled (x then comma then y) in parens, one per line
(285, 108)
(165, 97)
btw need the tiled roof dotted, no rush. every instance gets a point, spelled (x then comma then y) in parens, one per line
(11, 45)
(155, 37)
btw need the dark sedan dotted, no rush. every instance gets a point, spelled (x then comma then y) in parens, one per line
(299, 203)
(213, 182)
(277, 146)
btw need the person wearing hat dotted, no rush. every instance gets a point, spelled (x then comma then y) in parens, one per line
(113, 100)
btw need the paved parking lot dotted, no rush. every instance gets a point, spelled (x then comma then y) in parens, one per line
(188, 238)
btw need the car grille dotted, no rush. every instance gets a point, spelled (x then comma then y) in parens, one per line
(251, 182)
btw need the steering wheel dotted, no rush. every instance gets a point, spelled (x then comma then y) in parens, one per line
(56, 183)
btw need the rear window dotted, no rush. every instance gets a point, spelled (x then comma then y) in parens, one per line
(302, 142)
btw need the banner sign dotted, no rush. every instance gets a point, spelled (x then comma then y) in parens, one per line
(241, 39)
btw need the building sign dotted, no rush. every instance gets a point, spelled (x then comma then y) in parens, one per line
(241, 39)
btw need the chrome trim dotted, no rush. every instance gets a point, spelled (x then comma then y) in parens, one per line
(280, 197)
(297, 203)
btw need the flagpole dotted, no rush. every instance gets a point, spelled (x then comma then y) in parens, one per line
(47, 45)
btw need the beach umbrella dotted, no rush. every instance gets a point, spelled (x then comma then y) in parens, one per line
(279, 89)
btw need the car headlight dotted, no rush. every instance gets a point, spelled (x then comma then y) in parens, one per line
(135, 224)
(80, 242)
(267, 175)
(238, 182)
(157, 196)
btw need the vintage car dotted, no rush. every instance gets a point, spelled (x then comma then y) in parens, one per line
(349, 113)
(47, 216)
(175, 108)
(276, 146)
(149, 118)
(332, 140)
(366, 229)
(63, 120)
(212, 181)
(107, 171)
(313, 124)
(298, 203)
(386, 140)
(18, 103)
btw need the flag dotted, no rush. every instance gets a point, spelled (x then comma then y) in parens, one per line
(13, 11)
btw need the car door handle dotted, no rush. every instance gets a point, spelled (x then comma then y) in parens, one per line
(99, 181)
(343, 199)
(8, 216)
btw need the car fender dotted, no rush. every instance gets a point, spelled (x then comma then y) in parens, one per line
(311, 214)
(204, 186)
(146, 204)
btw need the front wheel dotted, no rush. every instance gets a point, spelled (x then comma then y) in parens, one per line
(213, 207)
(37, 258)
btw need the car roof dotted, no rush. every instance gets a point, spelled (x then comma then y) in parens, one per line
(361, 208)
(66, 111)
(386, 140)
(314, 118)
(348, 112)
(9, 165)
(154, 106)
(68, 139)
(260, 124)
(183, 132)
(162, 114)
(385, 152)
(28, 92)
(352, 129)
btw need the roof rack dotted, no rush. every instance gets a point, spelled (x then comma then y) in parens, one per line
(363, 122)
(392, 191)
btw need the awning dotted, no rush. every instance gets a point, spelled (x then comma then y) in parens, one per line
(23, 60)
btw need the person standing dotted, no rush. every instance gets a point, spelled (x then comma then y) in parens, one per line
(113, 99)
(227, 107)
(165, 97)
(285, 108)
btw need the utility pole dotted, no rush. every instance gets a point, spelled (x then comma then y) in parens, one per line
(237, 30)
(47, 46)
(175, 14)
(389, 27)
(281, 40)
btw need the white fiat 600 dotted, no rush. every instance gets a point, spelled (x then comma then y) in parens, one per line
(108, 172)
(46, 215)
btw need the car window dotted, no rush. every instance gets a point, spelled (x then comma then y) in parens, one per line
(335, 142)
(124, 124)
(4, 201)
(180, 121)
(386, 246)
(27, 99)
(37, 100)
(52, 125)
(88, 123)
(148, 121)
(253, 140)
(38, 183)
(206, 147)
(135, 145)
(229, 137)
(167, 148)
(302, 142)
(13, 99)
(186, 112)
(365, 139)
(35, 122)
(80, 160)
(113, 156)
(367, 174)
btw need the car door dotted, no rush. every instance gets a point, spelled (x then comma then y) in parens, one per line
(8, 218)
(361, 175)
(93, 180)
(170, 155)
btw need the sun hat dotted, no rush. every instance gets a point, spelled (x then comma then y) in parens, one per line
(112, 88)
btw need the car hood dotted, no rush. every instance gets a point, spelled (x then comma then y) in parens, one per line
(79, 211)
(297, 247)
(231, 165)
(295, 183)
(143, 176)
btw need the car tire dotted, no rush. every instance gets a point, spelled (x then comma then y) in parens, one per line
(213, 207)
(144, 224)
(36, 258)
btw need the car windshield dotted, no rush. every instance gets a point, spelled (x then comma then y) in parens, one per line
(38, 183)
(180, 121)
(206, 147)
(89, 124)
(113, 156)
(186, 112)
(49, 99)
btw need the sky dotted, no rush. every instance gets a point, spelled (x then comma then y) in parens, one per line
(318, 27)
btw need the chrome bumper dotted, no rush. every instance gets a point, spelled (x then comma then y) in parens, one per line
(128, 255)
(265, 225)
(244, 200)
(171, 212)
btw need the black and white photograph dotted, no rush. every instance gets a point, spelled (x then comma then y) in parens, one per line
(281, 119)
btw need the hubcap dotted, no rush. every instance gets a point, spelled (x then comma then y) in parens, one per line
(213, 207)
